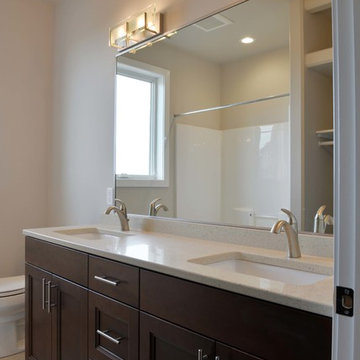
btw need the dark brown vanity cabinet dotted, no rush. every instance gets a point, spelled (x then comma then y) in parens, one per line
(56, 308)
(68, 317)
(101, 309)
(56, 317)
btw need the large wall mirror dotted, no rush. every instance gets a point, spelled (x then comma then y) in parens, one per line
(224, 136)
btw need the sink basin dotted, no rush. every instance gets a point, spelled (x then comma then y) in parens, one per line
(93, 233)
(234, 264)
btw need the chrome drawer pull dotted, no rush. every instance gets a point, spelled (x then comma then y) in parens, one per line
(107, 280)
(201, 355)
(43, 280)
(106, 336)
(49, 304)
(49, 297)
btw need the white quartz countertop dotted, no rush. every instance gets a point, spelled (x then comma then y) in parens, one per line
(170, 254)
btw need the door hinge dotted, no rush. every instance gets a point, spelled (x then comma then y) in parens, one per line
(344, 301)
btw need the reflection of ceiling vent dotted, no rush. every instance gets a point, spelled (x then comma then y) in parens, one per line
(213, 22)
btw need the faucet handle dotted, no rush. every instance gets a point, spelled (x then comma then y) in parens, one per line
(292, 218)
(118, 201)
(155, 201)
(122, 206)
(321, 210)
(152, 206)
(121, 203)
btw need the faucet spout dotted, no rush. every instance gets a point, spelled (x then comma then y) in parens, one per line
(121, 213)
(159, 207)
(278, 226)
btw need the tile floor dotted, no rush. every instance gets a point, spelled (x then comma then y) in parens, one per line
(20, 356)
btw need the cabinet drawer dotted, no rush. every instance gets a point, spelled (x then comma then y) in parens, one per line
(68, 263)
(113, 329)
(114, 279)
(267, 330)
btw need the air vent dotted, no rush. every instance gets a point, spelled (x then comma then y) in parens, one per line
(213, 22)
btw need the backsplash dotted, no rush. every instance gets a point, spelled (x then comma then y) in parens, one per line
(310, 244)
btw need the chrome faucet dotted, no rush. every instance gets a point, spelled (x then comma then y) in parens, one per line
(154, 207)
(121, 212)
(291, 230)
(321, 220)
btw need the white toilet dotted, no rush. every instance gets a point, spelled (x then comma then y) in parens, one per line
(12, 315)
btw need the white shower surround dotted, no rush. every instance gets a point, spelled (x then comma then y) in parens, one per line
(238, 176)
(198, 169)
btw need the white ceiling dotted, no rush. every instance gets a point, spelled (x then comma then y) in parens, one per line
(265, 20)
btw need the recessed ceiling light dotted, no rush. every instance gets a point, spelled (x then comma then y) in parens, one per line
(247, 40)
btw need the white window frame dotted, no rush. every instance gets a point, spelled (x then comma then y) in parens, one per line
(160, 78)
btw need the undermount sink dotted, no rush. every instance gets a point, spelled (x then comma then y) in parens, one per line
(93, 233)
(235, 264)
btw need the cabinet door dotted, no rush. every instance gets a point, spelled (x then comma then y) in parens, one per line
(38, 320)
(69, 320)
(113, 329)
(224, 352)
(160, 340)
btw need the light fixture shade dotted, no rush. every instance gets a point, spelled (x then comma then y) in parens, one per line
(136, 29)
(118, 36)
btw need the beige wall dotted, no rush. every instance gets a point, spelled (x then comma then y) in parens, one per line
(82, 146)
(252, 78)
(256, 76)
(25, 113)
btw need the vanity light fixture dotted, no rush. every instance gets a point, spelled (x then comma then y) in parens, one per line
(136, 29)
(247, 40)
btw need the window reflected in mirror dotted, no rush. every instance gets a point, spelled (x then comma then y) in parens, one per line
(140, 125)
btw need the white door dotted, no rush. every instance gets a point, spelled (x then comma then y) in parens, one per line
(346, 25)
